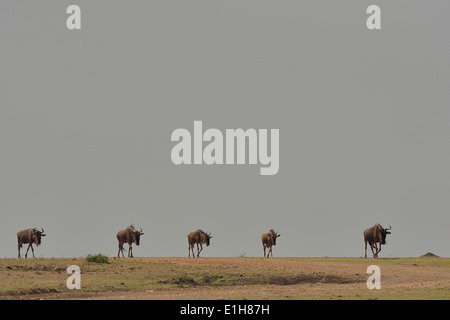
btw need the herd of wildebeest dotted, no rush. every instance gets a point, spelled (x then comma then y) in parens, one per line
(374, 235)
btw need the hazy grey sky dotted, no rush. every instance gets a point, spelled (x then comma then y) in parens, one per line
(86, 118)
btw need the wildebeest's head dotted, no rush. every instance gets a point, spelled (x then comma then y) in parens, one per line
(208, 238)
(136, 236)
(384, 232)
(204, 237)
(274, 236)
(37, 236)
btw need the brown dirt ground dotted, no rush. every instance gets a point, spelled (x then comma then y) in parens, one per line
(243, 278)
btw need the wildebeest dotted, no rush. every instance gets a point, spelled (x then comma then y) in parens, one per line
(198, 237)
(269, 239)
(128, 235)
(29, 236)
(373, 235)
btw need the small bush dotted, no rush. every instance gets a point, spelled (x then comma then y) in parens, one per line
(98, 258)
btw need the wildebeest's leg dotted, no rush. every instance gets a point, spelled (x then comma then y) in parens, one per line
(189, 249)
(374, 245)
(378, 250)
(26, 253)
(365, 248)
(371, 248)
(264, 248)
(192, 248)
(18, 248)
(270, 251)
(198, 252)
(32, 251)
(130, 250)
(120, 250)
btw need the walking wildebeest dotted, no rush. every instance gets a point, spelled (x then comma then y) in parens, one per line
(269, 239)
(198, 237)
(373, 235)
(128, 235)
(30, 236)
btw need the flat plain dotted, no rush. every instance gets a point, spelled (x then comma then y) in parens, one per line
(204, 278)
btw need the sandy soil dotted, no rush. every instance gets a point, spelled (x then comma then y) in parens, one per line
(257, 278)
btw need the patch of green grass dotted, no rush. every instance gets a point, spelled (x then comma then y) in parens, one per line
(98, 258)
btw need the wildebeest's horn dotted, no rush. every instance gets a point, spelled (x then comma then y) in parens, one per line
(42, 230)
(389, 228)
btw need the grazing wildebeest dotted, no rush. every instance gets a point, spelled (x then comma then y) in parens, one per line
(198, 237)
(30, 236)
(373, 235)
(269, 239)
(128, 235)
